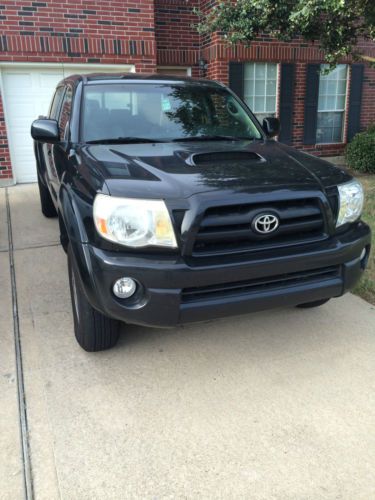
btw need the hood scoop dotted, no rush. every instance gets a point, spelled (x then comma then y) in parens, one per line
(224, 157)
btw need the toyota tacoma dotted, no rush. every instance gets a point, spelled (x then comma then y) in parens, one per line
(175, 205)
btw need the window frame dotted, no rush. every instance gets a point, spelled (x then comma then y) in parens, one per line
(277, 88)
(343, 111)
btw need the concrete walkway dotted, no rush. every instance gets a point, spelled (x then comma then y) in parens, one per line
(275, 405)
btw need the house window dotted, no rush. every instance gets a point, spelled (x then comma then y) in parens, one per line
(260, 88)
(331, 105)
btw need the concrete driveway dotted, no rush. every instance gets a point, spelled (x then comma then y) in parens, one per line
(274, 405)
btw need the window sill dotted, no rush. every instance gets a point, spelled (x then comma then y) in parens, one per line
(342, 143)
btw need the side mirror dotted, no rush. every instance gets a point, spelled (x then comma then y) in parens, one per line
(271, 126)
(45, 131)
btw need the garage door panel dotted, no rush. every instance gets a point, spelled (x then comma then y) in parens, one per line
(48, 80)
(17, 81)
(27, 93)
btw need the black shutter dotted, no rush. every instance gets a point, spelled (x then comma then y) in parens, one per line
(355, 100)
(311, 103)
(286, 103)
(236, 78)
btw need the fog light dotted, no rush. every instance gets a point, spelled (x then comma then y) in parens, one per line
(124, 288)
(363, 254)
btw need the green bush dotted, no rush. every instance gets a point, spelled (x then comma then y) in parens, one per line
(360, 153)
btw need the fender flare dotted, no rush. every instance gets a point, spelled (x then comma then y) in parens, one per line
(78, 240)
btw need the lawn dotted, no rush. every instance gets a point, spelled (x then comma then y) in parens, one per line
(366, 287)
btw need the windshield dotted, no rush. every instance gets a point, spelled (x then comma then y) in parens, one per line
(132, 112)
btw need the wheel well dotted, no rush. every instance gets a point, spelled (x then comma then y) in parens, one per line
(64, 238)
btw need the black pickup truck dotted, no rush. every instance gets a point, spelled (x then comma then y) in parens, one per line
(176, 205)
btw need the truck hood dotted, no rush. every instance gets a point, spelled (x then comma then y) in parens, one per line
(180, 170)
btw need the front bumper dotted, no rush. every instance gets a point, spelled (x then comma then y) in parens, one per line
(173, 291)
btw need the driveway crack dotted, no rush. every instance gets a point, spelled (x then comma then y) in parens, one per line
(22, 406)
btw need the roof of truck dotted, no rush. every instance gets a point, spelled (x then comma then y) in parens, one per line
(138, 77)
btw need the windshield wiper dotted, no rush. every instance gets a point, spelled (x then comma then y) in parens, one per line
(212, 138)
(123, 140)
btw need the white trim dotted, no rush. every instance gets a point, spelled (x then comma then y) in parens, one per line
(128, 68)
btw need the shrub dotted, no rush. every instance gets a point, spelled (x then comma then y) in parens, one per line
(360, 153)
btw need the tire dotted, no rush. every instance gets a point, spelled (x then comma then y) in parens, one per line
(316, 303)
(93, 331)
(48, 208)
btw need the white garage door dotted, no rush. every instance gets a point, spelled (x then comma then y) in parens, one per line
(27, 93)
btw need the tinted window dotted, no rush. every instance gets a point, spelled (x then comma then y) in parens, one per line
(55, 104)
(161, 111)
(65, 112)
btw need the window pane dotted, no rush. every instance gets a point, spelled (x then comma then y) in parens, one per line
(249, 71)
(331, 87)
(260, 71)
(341, 87)
(323, 87)
(259, 105)
(271, 71)
(331, 103)
(342, 71)
(270, 104)
(271, 87)
(340, 102)
(322, 103)
(259, 87)
(249, 101)
(336, 135)
(329, 127)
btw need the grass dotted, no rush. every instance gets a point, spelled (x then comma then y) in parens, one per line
(366, 287)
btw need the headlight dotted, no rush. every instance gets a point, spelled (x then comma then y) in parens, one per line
(351, 202)
(133, 222)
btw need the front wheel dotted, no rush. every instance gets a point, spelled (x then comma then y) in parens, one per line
(93, 331)
(316, 303)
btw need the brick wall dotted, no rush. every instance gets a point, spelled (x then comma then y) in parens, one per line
(177, 42)
(78, 31)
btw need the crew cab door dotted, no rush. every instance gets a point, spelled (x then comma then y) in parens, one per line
(57, 154)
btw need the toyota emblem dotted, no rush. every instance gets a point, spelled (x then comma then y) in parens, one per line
(265, 223)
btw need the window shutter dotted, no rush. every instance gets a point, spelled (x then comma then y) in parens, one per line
(236, 77)
(311, 103)
(286, 103)
(355, 100)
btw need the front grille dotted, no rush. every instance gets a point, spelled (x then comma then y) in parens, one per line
(227, 229)
(259, 284)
